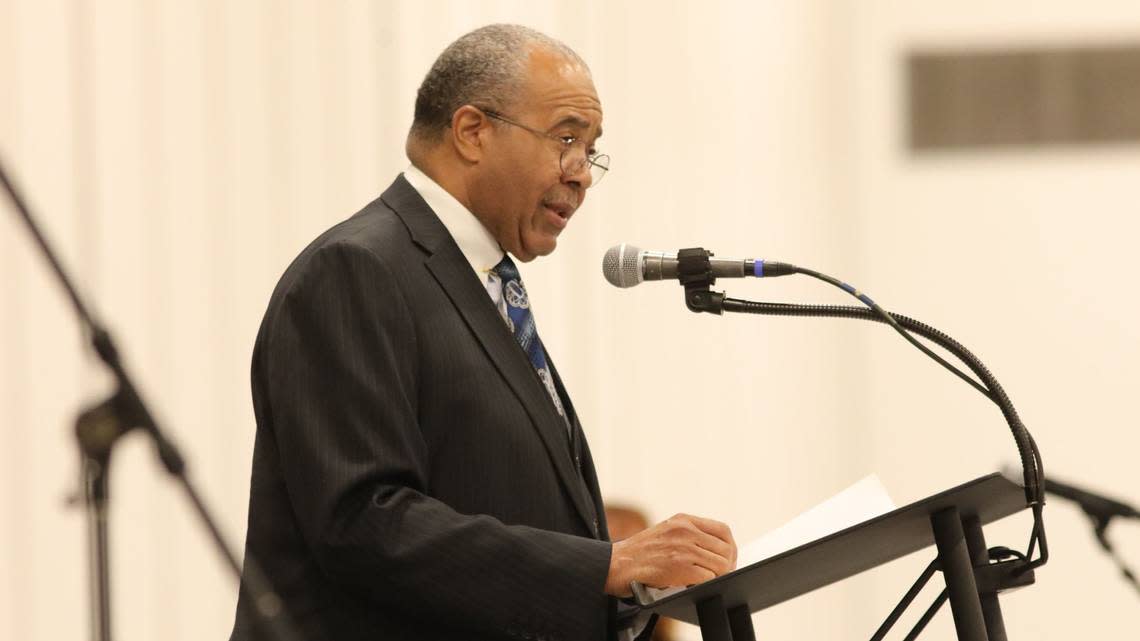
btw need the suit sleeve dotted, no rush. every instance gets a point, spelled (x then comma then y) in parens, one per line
(339, 366)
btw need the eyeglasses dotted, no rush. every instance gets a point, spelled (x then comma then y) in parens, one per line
(574, 156)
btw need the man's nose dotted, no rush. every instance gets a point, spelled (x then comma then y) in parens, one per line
(578, 173)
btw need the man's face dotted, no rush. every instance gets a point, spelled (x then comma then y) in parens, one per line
(521, 194)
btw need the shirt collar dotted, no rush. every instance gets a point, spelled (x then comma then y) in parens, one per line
(479, 247)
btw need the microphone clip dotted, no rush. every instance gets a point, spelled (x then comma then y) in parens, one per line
(696, 275)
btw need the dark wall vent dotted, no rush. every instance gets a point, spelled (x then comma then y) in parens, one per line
(1024, 98)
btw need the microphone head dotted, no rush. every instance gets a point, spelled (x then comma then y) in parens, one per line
(623, 265)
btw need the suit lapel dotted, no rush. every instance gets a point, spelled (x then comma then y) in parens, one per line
(582, 454)
(453, 273)
(568, 405)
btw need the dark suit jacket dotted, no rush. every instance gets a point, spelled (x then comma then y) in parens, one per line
(411, 477)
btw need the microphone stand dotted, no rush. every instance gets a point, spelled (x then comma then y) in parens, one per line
(98, 429)
(695, 273)
(1100, 510)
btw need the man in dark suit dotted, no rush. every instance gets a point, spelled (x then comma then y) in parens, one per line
(419, 470)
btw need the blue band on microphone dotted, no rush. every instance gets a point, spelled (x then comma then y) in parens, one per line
(758, 269)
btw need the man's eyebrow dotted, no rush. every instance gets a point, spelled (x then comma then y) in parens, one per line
(579, 122)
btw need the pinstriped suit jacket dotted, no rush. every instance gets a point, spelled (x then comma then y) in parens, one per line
(411, 477)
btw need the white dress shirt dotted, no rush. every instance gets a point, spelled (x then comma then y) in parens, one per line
(477, 244)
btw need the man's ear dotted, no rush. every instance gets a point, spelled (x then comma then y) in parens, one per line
(469, 128)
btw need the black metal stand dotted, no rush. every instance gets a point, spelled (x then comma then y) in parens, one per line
(974, 575)
(958, 570)
(724, 624)
(972, 587)
(1101, 510)
(972, 582)
(907, 599)
(988, 587)
(95, 491)
(1100, 527)
(99, 428)
(96, 431)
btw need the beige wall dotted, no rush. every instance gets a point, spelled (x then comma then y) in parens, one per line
(1026, 256)
(181, 153)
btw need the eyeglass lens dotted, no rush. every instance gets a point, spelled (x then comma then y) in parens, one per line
(574, 158)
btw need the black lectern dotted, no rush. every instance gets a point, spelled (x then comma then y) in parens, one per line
(952, 520)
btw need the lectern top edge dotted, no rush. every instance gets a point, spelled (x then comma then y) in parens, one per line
(845, 553)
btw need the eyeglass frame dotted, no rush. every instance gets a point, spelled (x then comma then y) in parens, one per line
(591, 160)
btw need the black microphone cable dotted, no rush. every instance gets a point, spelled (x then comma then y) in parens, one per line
(1032, 466)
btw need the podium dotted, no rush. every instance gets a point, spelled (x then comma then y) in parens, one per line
(952, 520)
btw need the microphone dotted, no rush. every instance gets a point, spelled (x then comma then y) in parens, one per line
(626, 265)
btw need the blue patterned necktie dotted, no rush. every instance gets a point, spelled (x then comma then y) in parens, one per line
(521, 322)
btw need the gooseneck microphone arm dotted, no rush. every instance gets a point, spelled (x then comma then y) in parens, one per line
(99, 428)
(695, 274)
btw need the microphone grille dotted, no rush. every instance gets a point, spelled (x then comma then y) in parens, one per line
(622, 265)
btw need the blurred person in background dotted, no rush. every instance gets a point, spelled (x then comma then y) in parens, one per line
(419, 471)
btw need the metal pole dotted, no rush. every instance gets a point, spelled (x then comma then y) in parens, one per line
(96, 488)
(740, 620)
(980, 556)
(954, 557)
(713, 619)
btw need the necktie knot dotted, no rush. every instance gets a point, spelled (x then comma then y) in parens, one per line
(506, 269)
(513, 289)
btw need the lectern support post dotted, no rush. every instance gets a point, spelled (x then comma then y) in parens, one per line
(958, 570)
(979, 557)
(719, 624)
(740, 620)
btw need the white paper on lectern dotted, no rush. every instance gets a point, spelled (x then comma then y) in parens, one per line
(860, 502)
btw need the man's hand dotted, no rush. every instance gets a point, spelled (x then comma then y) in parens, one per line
(682, 550)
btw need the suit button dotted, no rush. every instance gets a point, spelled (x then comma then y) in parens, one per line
(597, 528)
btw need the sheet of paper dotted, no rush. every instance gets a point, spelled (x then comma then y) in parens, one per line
(860, 502)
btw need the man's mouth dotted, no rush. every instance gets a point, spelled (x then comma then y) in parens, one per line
(558, 213)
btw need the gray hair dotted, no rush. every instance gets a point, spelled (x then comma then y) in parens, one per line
(485, 68)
